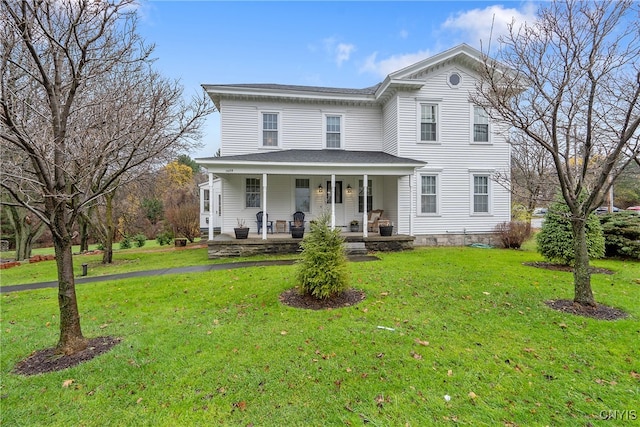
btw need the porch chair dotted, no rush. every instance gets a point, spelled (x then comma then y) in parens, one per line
(259, 222)
(374, 217)
(297, 217)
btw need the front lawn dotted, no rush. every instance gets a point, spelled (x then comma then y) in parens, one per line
(218, 348)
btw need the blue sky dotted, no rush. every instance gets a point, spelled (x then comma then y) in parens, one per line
(331, 43)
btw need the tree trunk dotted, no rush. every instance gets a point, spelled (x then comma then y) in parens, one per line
(25, 232)
(581, 269)
(71, 339)
(109, 227)
(83, 224)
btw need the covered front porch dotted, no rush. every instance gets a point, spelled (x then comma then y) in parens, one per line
(226, 245)
(275, 185)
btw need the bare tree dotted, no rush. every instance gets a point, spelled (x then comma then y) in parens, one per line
(83, 106)
(533, 178)
(571, 83)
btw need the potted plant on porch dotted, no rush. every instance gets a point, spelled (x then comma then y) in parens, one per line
(297, 230)
(354, 226)
(242, 231)
(386, 227)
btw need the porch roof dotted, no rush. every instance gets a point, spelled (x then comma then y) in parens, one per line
(312, 162)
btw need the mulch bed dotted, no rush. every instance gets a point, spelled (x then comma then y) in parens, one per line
(294, 298)
(47, 360)
(600, 312)
(566, 268)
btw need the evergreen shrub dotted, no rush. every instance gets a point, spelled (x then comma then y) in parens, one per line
(621, 234)
(322, 269)
(555, 240)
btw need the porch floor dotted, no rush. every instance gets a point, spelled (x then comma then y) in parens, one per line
(226, 245)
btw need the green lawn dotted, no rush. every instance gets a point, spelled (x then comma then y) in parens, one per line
(150, 257)
(218, 348)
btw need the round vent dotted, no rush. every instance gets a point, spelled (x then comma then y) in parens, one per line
(454, 79)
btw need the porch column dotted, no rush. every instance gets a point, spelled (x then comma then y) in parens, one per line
(365, 216)
(264, 206)
(333, 201)
(411, 201)
(211, 204)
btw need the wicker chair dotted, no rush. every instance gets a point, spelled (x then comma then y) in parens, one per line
(373, 218)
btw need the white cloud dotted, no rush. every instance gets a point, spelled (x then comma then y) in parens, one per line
(343, 52)
(394, 63)
(475, 25)
(340, 52)
(469, 27)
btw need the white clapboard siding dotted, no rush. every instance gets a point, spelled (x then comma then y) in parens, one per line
(390, 126)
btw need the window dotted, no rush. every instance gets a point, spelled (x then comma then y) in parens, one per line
(206, 201)
(480, 125)
(428, 194)
(303, 195)
(333, 131)
(252, 193)
(428, 122)
(480, 194)
(269, 129)
(361, 196)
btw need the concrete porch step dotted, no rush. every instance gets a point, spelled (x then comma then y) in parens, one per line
(355, 248)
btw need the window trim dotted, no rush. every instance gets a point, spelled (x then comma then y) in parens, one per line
(419, 121)
(473, 125)
(438, 194)
(472, 194)
(343, 138)
(261, 129)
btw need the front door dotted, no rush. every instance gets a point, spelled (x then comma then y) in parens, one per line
(337, 197)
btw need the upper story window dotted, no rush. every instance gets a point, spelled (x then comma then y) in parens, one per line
(333, 131)
(480, 124)
(428, 122)
(270, 129)
(252, 193)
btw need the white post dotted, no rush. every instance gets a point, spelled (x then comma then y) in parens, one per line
(365, 216)
(333, 201)
(411, 201)
(264, 206)
(211, 204)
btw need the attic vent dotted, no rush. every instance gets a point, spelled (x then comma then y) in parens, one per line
(454, 79)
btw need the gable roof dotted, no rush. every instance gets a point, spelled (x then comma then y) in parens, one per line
(406, 78)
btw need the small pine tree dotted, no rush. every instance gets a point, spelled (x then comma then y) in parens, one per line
(322, 271)
(555, 239)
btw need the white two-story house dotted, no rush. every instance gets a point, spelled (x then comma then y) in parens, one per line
(413, 146)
